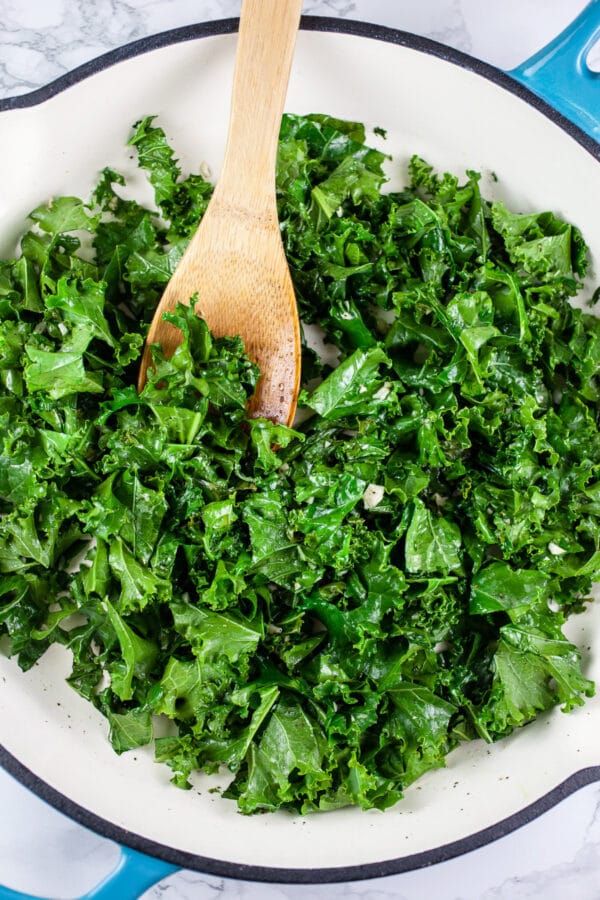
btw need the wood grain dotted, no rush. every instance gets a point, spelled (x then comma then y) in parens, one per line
(235, 261)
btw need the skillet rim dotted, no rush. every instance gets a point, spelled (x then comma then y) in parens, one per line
(307, 23)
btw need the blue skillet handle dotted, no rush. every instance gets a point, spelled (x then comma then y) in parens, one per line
(133, 875)
(559, 72)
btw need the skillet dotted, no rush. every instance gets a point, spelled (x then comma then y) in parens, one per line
(458, 113)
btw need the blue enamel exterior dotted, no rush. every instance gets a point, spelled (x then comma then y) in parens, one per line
(133, 875)
(560, 75)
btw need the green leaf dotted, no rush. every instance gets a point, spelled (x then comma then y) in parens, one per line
(421, 720)
(267, 437)
(139, 585)
(180, 689)
(532, 672)
(96, 577)
(59, 374)
(123, 506)
(432, 543)
(540, 242)
(214, 634)
(350, 386)
(498, 587)
(291, 744)
(25, 275)
(82, 304)
(130, 729)
(63, 214)
(137, 655)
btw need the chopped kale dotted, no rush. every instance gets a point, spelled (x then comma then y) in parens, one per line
(326, 610)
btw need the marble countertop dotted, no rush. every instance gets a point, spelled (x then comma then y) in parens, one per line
(42, 39)
(555, 857)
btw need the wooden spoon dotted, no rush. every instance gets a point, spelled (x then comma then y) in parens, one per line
(235, 260)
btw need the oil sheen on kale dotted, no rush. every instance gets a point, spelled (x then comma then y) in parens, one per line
(327, 610)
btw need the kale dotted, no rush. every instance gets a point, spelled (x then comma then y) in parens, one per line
(326, 610)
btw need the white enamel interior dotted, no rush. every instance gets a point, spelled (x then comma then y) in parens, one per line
(457, 120)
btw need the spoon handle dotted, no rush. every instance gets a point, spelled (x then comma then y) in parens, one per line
(263, 61)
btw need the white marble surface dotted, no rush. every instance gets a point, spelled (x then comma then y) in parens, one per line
(42, 39)
(557, 856)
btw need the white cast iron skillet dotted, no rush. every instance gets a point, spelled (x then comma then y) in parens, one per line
(458, 113)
